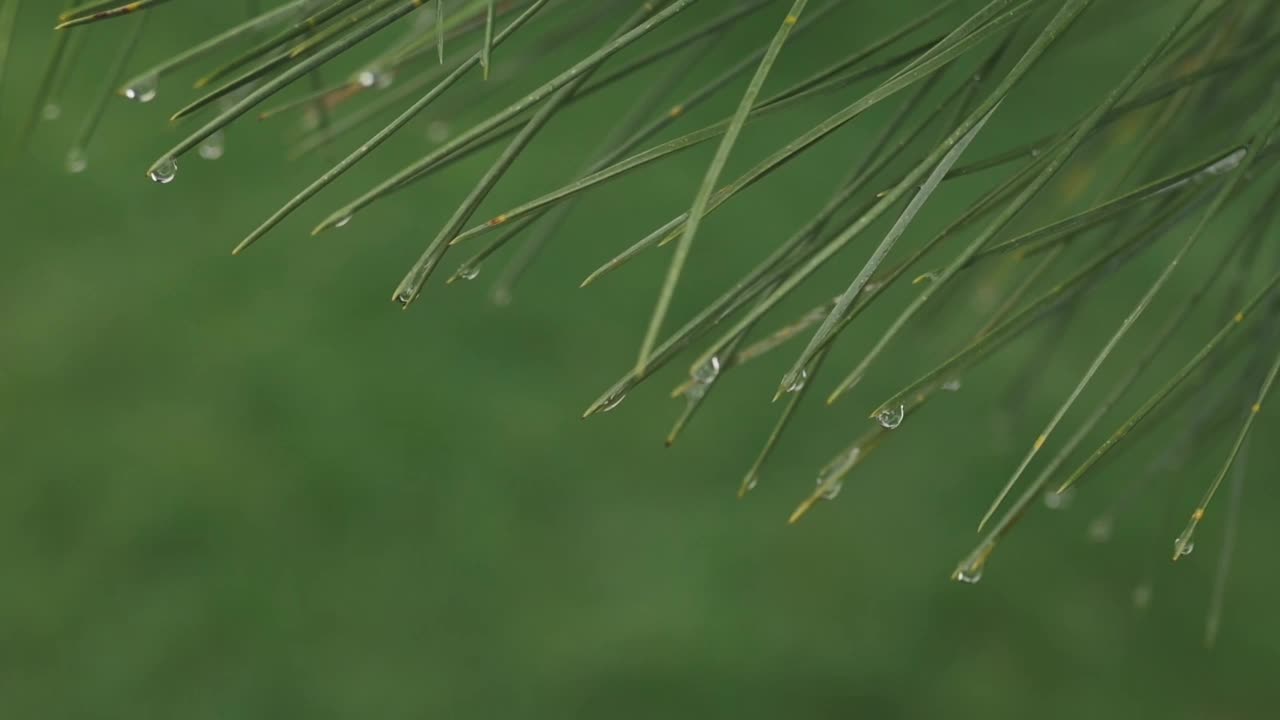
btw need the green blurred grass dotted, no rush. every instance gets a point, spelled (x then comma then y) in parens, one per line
(249, 488)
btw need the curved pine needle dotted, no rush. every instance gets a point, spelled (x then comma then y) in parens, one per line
(374, 142)
(709, 180)
(484, 127)
(410, 288)
(1119, 388)
(91, 13)
(1031, 55)
(76, 158)
(424, 165)
(1054, 163)
(1178, 378)
(487, 52)
(277, 83)
(1216, 205)
(846, 299)
(199, 50)
(1182, 545)
(1035, 240)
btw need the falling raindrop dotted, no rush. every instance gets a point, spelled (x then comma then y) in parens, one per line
(143, 90)
(890, 418)
(214, 146)
(164, 171)
(77, 161)
(51, 111)
(1058, 500)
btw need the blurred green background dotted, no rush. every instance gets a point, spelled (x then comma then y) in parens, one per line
(251, 488)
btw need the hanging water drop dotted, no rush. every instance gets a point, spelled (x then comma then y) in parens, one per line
(1058, 500)
(612, 402)
(969, 576)
(404, 297)
(797, 382)
(164, 171)
(952, 385)
(832, 491)
(77, 162)
(890, 418)
(707, 372)
(1228, 163)
(214, 146)
(51, 111)
(143, 89)
(343, 222)
(469, 272)
(1182, 547)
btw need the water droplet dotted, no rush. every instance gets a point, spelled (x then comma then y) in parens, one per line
(696, 391)
(833, 491)
(51, 111)
(890, 418)
(1142, 596)
(1058, 501)
(143, 90)
(367, 78)
(1228, 163)
(164, 171)
(77, 161)
(832, 476)
(969, 575)
(1035, 152)
(343, 222)
(405, 297)
(752, 482)
(952, 385)
(1182, 547)
(1100, 529)
(797, 382)
(707, 372)
(612, 402)
(871, 286)
(469, 272)
(214, 146)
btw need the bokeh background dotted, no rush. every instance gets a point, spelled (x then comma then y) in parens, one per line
(251, 488)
